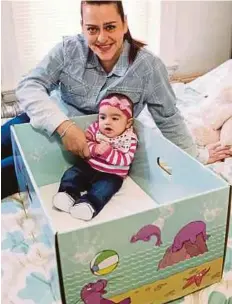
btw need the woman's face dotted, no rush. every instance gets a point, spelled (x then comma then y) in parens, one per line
(104, 30)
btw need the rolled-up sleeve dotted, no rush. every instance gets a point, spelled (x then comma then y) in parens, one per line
(34, 89)
(161, 102)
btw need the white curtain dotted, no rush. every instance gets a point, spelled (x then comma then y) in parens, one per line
(31, 28)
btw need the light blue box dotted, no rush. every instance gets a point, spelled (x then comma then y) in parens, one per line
(155, 255)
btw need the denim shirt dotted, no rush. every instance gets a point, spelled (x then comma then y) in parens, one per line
(73, 69)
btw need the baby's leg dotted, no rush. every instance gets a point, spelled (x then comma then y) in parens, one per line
(73, 182)
(101, 191)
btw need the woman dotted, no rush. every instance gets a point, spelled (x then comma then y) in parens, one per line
(105, 59)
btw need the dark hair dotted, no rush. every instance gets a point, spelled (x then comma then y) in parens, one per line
(121, 96)
(135, 45)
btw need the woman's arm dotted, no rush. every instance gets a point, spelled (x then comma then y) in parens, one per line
(161, 102)
(33, 92)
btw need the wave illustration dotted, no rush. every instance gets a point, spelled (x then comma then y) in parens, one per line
(140, 269)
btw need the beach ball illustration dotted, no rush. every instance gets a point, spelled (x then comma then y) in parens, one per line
(104, 262)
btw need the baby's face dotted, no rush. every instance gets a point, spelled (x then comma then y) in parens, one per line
(112, 121)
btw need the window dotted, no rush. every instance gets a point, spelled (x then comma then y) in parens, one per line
(31, 28)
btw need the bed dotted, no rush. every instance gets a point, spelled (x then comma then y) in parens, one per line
(28, 262)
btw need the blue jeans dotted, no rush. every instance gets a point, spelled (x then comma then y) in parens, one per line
(9, 180)
(100, 186)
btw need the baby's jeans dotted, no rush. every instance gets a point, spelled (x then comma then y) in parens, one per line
(100, 186)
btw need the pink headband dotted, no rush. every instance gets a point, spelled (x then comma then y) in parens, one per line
(122, 104)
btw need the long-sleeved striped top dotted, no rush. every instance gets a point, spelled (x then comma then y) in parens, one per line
(120, 154)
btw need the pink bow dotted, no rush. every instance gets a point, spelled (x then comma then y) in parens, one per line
(121, 104)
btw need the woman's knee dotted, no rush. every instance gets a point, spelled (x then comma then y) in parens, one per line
(6, 134)
(9, 184)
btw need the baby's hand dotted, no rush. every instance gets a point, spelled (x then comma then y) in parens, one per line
(88, 135)
(102, 148)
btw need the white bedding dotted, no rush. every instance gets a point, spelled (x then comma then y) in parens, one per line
(191, 96)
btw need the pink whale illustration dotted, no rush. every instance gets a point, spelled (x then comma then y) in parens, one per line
(189, 233)
(92, 293)
(145, 234)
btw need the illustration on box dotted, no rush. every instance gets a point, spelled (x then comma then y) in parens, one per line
(189, 242)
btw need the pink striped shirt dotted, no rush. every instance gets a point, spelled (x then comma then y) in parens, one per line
(118, 158)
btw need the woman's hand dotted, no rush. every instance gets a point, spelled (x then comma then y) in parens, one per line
(217, 152)
(74, 139)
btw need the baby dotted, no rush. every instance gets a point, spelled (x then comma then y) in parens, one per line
(112, 143)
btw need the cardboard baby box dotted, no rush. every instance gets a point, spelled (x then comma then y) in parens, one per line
(162, 236)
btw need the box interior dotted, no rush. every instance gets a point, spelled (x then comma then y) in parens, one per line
(149, 186)
(130, 199)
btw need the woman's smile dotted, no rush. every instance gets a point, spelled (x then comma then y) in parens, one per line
(104, 48)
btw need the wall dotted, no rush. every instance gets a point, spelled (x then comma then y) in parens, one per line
(197, 35)
(194, 34)
(9, 58)
(31, 28)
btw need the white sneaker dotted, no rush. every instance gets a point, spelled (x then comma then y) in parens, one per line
(63, 201)
(82, 211)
